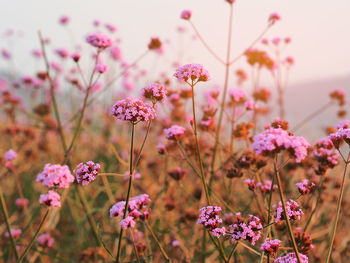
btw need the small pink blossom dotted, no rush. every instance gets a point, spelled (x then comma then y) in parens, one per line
(50, 199)
(248, 230)
(293, 211)
(270, 247)
(63, 20)
(15, 233)
(305, 186)
(174, 132)
(155, 92)
(85, 173)
(193, 72)
(55, 175)
(128, 222)
(21, 203)
(292, 258)
(45, 240)
(10, 155)
(99, 40)
(101, 68)
(186, 14)
(237, 95)
(274, 17)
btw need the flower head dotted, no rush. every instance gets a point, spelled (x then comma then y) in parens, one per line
(293, 211)
(270, 247)
(193, 72)
(10, 155)
(186, 14)
(55, 175)
(133, 110)
(249, 229)
(209, 217)
(274, 17)
(15, 233)
(174, 132)
(45, 240)
(305, 186)
(155, 92)
(101, 68)
(99, 40)
(85, 173)
(50, 199)
(292, 258)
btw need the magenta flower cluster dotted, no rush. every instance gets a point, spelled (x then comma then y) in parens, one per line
(270, 247)
(292, 258)
(340, 136)
(86, 172)
(10, 155)
(174, 132)
(248, 230)
(193, 72)
(237, 95)
(273, 140)
(137, 208)
(293, 211)
(324, 154)
(50, 199)
(45, 240)
(15, 233)
(55, 175)
(133, 110)
(99, 40)
(155, 92)
(209, 217)
(305, 186)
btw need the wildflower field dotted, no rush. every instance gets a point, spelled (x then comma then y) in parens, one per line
(103, 161)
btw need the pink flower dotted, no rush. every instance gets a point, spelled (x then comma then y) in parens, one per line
(186, 14)
(289, 60)
(15, 233)
(50, 199)
(85, 173)
(175, 243)
(292, 258)
(10, 155)
(55, 175)
(251, 184)
(274, 140)
(274, 17)
(305, 186)
(116, 53)
(63, 53)
(133, 110)
(195, 72)
(101, 68)
(128, 222)
(266, 187)
(339, 136)
(99, 40)
(209, 218)
(174, 132)
(76, 57)
(276, 41)
(21, 203)
(270, 247)
(5, 53)
(111, 28)
(64, 20)
(345, 124)
(237, 95)
(248, 230)
(155, 92)
(45, 240)
(287, 40)
(293, 211)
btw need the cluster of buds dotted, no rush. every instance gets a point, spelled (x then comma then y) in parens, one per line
(293, 211)
(325, 156)
(292, 258)
(270, 247)
(248, 230)
(259, 58)
(305, 186)
(303, 240)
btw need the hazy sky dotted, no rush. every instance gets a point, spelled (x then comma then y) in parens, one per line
(319, 29)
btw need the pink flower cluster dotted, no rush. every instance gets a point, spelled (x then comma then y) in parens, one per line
(10, 155)
(99, 40)
(101, 68)
(133, 110)
(249, 230)
(174, 132)
(55, 175)
(50, 199)
(45, 240)
(324, 154)
(194, 72)
(339, 136)
(305, 186)
(21, 203)
(237, 95)
(266, 187)
(137, 208)
(186, 14)
(270, 247)
(293, 211)
(274, 17)
(155, 92)
(85, 173)
(15, 233)
(292, 258)
(273, 140)
(209, 217)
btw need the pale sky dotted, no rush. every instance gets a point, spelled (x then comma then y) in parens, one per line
(319, 29)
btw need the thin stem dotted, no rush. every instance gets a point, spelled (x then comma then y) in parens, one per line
(135, 248)
(82, 111)
(129, 188)
(34, 237)
(7, 222)
(235, 246)
(205, 43)
(295, 248)
(223, 100)
(52, 90)
(197, 147)
(338, 211)
(219, 248)
(143, 144)
(165, 255)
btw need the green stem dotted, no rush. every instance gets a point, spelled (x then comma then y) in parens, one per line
(338, 211)
(295, 248)
(34, 237)
(7, 222)
(235, 246)
(197, 147)
(129, 189)
(165, 255)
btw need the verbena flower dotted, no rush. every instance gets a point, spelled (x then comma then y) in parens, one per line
(270, 247)
(55, 175)
(174, 132)
(293, 211)
(248, 230)
(292, 258)
(50, 199)
(155, 92)
(133, 110)
(186, 14)
(10, 155)
(15, 233)
(86, 172)
(45, 240)
(99, 40)
(305, 186)
(210, 219)
(193, 72)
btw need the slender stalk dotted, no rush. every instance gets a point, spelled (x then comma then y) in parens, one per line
(223, 100)
(143, 144)
(7, 222)
(129, 188)
(219, 248)
(34, 237)
(334, 230)
(295, 248)
(204, 244)
(197, 147)
(235, 246)
(135, 248)
(165, 255)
